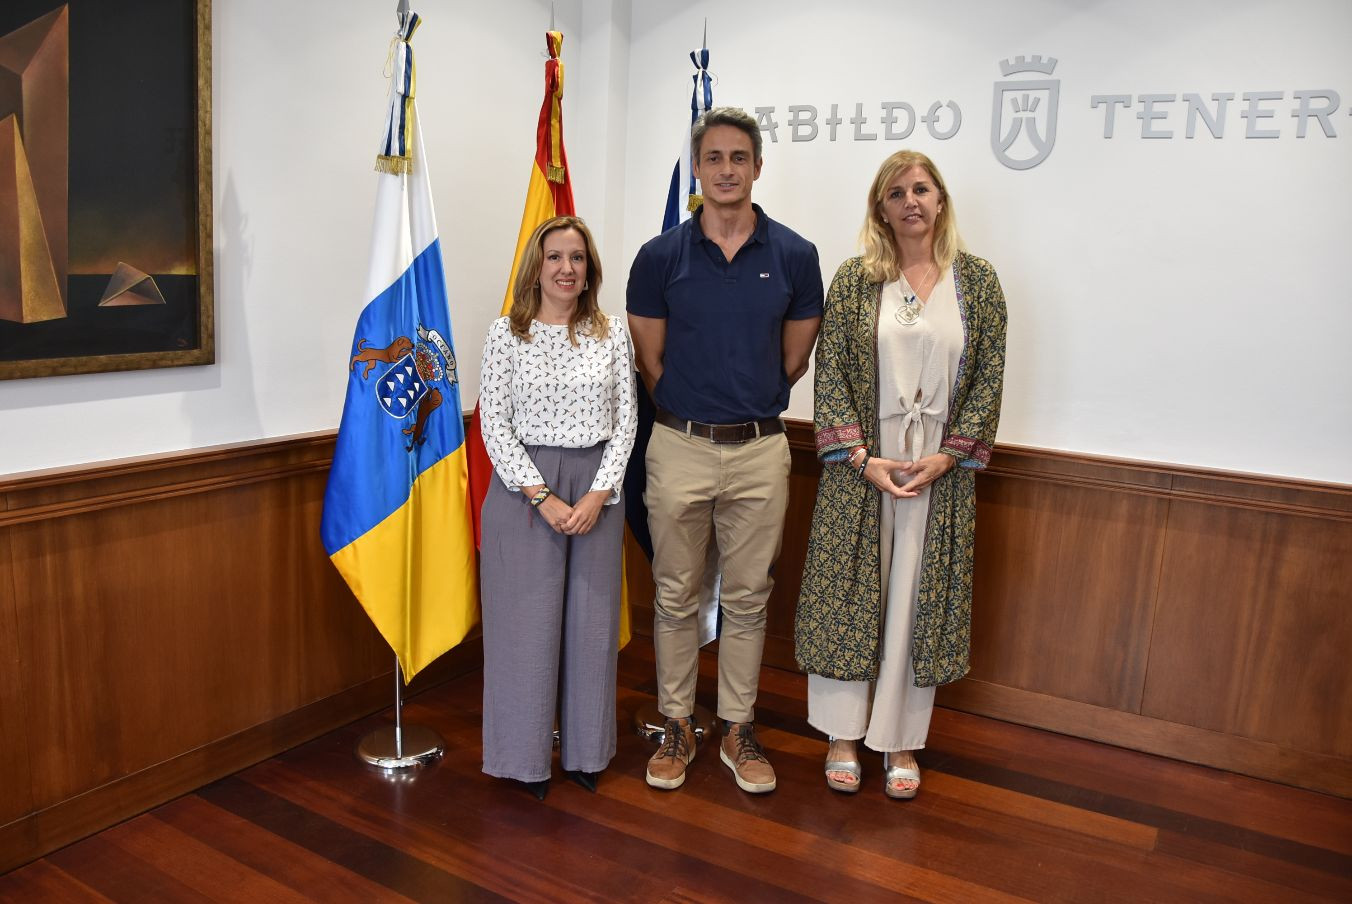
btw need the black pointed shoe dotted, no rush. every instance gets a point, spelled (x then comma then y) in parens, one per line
(585, 779)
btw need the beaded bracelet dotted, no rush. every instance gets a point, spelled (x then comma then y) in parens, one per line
(855, 454)
(540, 496)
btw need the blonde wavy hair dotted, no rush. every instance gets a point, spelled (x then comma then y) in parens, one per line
(526, 293)
(881, 261)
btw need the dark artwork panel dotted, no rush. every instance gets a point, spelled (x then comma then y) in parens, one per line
(102, 158)
(88, 329)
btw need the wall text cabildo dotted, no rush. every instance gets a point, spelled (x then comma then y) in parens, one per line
(1026, 109)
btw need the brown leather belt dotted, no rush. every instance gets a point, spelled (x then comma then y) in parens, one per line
(722, 433)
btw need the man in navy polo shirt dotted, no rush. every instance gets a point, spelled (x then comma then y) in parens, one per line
(724, 311)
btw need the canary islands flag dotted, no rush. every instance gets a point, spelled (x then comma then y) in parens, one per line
(396, 516)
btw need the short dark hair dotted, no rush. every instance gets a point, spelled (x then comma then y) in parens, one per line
(727, 116)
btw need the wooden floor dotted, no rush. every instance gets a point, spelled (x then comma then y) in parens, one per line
(1005, 813)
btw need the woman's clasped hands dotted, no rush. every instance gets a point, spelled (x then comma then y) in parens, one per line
(905, 479)
(572, 520)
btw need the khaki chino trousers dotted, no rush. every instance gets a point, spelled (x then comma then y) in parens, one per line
(734, 495)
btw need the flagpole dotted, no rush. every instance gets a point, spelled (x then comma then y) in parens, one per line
(397, 747)
(398, 699)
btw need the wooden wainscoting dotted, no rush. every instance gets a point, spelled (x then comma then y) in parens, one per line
(167, 621)
(1196, 614)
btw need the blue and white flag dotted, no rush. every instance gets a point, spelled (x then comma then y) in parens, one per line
(396, 517)
(685, 194)
(683, 197)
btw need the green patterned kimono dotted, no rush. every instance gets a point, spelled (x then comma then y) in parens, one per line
(838, 629)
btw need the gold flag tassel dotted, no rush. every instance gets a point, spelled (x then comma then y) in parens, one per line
(554, 172)
(394, 166)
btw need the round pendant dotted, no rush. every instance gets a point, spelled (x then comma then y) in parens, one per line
(909, 312)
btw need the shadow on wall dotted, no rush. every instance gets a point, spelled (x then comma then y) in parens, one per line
(234, 369)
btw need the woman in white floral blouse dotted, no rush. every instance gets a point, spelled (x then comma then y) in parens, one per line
(557, 406)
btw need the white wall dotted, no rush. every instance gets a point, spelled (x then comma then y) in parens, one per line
(1171, 300)
(297, 111)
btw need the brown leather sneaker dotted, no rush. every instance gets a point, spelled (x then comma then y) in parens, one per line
(666, 768)
(744, 755)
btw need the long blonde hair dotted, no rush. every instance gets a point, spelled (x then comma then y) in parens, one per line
(526, 293)
(881, 262)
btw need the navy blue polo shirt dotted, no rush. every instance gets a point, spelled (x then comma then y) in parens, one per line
(724, 356)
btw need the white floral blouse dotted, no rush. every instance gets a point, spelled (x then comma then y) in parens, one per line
(549, 392)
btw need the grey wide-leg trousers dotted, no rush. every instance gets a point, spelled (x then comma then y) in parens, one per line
(551, 613)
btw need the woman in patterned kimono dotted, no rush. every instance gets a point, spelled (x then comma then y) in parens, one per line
(909, 369)
(558, 416)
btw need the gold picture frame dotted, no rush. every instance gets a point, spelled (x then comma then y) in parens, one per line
(171, 316)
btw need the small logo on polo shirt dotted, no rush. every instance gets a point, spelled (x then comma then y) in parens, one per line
(765, 276)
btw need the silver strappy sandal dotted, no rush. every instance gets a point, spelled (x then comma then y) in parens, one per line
(896, 774)
(850, 767)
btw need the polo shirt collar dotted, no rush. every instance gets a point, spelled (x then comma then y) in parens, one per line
(758, 234)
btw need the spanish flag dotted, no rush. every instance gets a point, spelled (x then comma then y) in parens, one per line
(549, 194)
(396, 519)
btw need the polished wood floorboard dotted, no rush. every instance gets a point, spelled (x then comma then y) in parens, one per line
(1005, 813)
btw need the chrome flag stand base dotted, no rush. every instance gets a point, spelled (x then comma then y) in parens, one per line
(652, 725)
(397, 747)
(419, 746)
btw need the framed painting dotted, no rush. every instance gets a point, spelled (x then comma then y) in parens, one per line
(105, 186)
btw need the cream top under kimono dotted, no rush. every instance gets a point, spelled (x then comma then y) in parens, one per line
(918, 363)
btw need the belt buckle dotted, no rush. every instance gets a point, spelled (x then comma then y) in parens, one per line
(735, 434)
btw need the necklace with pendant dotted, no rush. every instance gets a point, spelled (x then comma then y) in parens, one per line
(909, 312)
